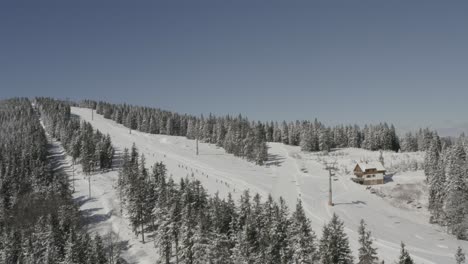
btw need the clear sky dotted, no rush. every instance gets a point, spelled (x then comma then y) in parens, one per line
(404, 62)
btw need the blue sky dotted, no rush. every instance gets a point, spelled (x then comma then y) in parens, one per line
(404, 62)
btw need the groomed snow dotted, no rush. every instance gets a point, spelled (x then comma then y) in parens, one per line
(291, 174)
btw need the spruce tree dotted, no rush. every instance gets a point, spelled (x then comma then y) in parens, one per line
(460, 256)
(201, 246)
(187, 235)
(219, 251)
(99, 251)
(367, 253)
(324, 140)
(284, 133)
(456, 192)
(164, 236)
(334, 244)
(431, 160)
(302, 238)
(405, 257)
(435, 174)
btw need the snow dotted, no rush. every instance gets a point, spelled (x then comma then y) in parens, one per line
(289, 173)
(372, 165)
(102, 210)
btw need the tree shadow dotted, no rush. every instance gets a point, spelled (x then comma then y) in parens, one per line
(74, 116)
(92, 219)
(81, 200)
(114, 246)
(388, 177)
(117, 159)
(274, 160)
(335, 149)
(352, 203)
(89, 212)
(211, 154)
(123, 246)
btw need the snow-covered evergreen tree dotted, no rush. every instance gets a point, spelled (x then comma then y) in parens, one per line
(201, 246)
(367, 253)
(302, 238)
(405, 257)
(456, 192)
(284, 133)
(460, 256)
(324, 139)
(334, 244)
(164, 235)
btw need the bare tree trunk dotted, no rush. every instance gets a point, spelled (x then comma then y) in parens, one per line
(142, 225)
(142, 232)
(111, 249)
(89, 185)
(73, 175)
(177, 249)
(120, 196)
(168, 256)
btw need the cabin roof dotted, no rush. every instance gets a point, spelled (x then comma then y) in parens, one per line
(371, 165)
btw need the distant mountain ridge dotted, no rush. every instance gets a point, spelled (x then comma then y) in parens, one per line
(453, 131)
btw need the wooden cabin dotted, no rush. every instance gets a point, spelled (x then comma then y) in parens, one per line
(369, 173)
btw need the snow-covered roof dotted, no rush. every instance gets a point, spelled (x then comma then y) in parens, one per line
(371, 165)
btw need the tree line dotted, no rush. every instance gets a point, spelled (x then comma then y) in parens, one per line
(239, 136)
(315, 136)
(39, 222)
(446, 170)
(190, 226)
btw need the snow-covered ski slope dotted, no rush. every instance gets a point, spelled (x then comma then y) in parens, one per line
(101, 211)
(293, 175)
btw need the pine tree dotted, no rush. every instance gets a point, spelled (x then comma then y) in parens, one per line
(324, 140)
(456, 192)
(123, 177)
(71, 250)
(334, 245)
(460, 256)
(284, 133)
(405, 257)
(108, 152)
(219, 251)
(98, 253)
(139, 192)
(249, 147)
(367, 253)
(164, 237)
(431, 159)
(241, 253)
(435, 175)
(187, 235)
(87, 151)
(244, 209)
(306, 143)
(201, 246)
(302, 238)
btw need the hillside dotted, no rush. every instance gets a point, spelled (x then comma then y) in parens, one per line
(294, 174)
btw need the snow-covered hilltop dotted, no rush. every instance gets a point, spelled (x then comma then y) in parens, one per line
(293, 174)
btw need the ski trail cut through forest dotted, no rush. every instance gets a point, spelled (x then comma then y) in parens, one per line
(223, 173)
(101, 211)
